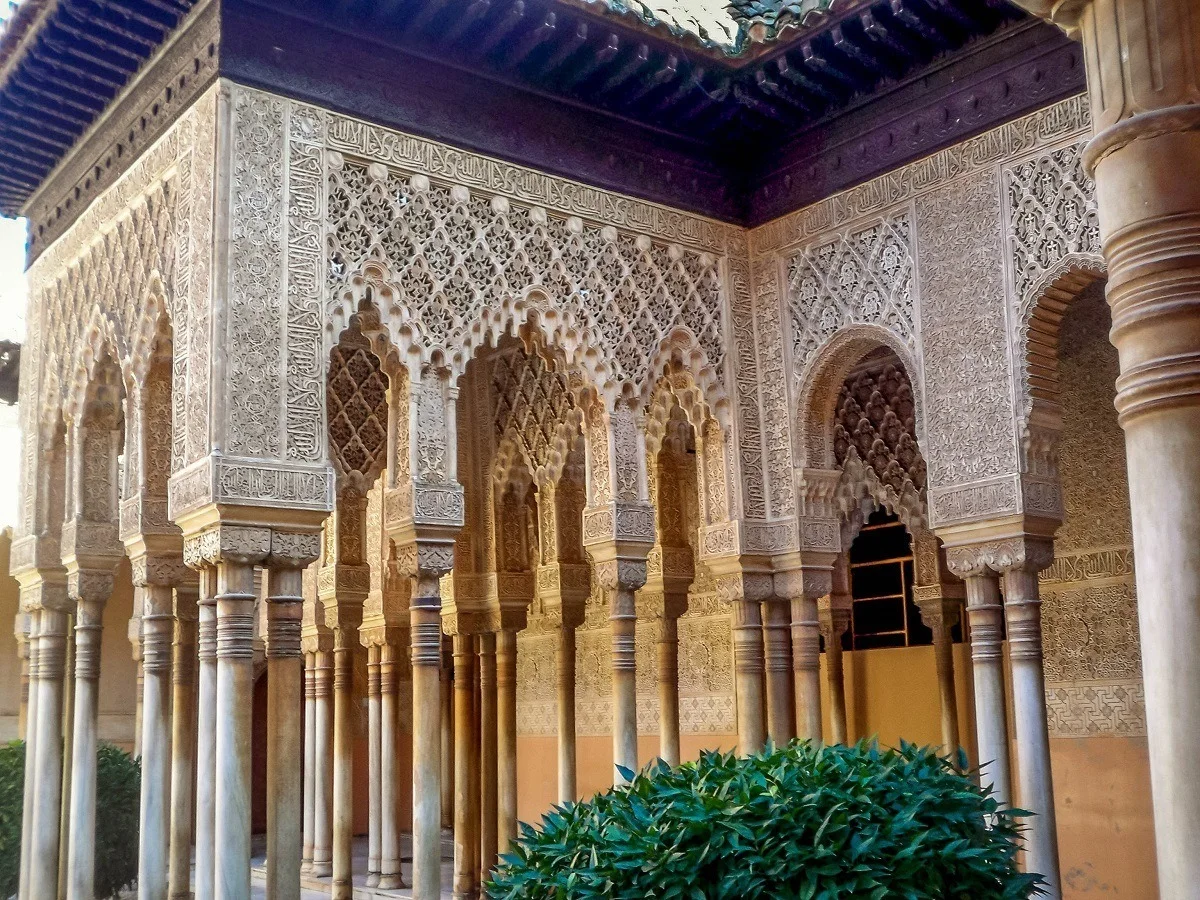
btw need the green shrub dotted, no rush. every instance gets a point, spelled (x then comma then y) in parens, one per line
(118, 808)
(118, 801)
(797, 822)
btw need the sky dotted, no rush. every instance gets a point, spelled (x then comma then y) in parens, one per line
(12, 327)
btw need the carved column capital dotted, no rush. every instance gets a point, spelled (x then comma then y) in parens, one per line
(246, 544)
(294, 549)
(1000, 556)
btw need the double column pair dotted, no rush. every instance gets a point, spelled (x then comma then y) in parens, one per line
(226, 556)
(485, 748)
(1015, 563)
(385, 695)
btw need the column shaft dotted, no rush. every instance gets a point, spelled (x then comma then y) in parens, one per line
(1023, 607)
(206, 736)
(81, 862)
(837, 687)
(448, 754)
(806, 668)
(322, 865)
(748, 674)
(623, 623)
(987, 661)
(777, 652)
(466, 842)
(235, 693)
(668, 690)
(154, 838)
(310, 755)
(943, 648)
(344, 639)
(285, 732)
(183, 748)
(47, 774)
(374, 766)
(567, 762)
(425, 613)
(31, 755)
(389, 789)
(489, 841)
(506, 752)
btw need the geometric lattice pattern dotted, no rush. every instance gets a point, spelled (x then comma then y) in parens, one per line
(451, 254)
(860, 278)
(1083, 710)
(1052, 214)
(358, 411)
(532, 405)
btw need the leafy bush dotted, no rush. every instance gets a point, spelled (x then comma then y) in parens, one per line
(118, 808)
(797, 822)
(118, 801)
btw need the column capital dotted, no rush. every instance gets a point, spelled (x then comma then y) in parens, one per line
(833, 612)
(293, 549)
(1021, 552)
(938, 611)
(247, 544)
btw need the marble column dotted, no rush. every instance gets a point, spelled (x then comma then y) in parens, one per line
(667, 648)
(834, 615)
(1035, 786)
(64, 817)
(466, 842)
(158, 632)
(206, 734)
(235, 692)
(81, 839)
(748, 674)
(806, 667)
(31, 753)
(1144, 84)
(567, 761)
(322, 864)
(448, 753)
(940, 615)
(183, 741)
(777, 653)
(310, 756)
(374, 765)
(285, 704)
(985, 617)
(47, 772)
(389, 751)
(622, 619)
(432, 563)
(345, 638)
(22, 635)
(489, 842)
(506, 739)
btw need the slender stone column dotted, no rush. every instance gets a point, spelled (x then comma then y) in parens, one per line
(567, 761)
(1023, 607)
(64, 818)
(448, 753)
(206, 735)
(183, 742)
(310, 757)
(835, 618)
(668, 690)
(47, 774)
(31, 753)
(235, 690)
(985, 616)
(23, 653)
(374, 765)
(135, 643)
(940, 615)
(81, 843)
(345, 637)
(466, 841)
(431, 564)
(322, 865)
(777, 652)
(489, 841)
(748, 673)
(285, 673)
(623, 623)
(474, 785)
(506, 724)
(389, 789)
(806, 667)
(154, 837)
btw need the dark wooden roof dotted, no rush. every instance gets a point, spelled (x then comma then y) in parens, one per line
(717, 107)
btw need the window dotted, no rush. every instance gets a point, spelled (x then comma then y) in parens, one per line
(881, 584)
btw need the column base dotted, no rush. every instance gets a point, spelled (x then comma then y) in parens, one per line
(466, 895)
(321, 869)
(306, 867)
(390, 882)
(372, 879)
(342, 890)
